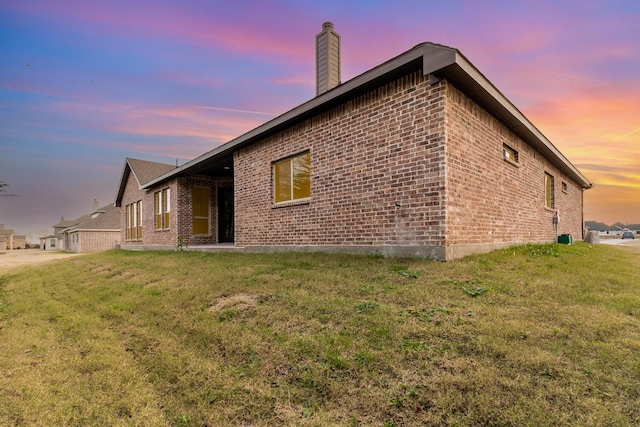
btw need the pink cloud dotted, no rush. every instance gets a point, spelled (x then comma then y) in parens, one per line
(29, 86)
(199, 25)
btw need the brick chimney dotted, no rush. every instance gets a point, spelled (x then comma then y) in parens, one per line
(327, 59)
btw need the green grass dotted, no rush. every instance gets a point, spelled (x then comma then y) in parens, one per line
(535, 335)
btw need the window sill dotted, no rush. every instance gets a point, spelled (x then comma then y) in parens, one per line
(296, 202)
(548, 209)
(512, 163)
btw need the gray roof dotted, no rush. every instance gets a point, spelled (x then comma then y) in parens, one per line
(5, 232)
(109, 220)
(66, 223)
(437, 61)
(143, 170)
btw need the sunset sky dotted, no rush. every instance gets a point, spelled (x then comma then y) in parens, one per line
(85, 84)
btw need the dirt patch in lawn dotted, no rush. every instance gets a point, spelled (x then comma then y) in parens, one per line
(240, 301)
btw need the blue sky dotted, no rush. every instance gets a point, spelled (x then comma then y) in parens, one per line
(85, 84)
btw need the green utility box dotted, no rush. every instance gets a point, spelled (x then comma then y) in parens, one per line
(565, 239)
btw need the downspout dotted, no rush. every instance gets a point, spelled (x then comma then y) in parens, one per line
(582, 213)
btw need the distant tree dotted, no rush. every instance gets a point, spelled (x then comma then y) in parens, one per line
(2, 185)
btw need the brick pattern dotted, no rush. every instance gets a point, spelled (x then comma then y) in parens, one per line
(8, 243)
(180, 221)
(381, 174)
(93, 241)
(132, 193)
(490, 200)
(150, 235)
(377, 174)
(408, 164)
(185, 223)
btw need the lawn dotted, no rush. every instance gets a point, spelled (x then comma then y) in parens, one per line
(534, 335)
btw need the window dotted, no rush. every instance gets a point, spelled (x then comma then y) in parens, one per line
(52, 243)
(127, 211)
(509, 154)
(549, 201)
(162, 206)
(564, 187)
(134, 220)
(292, 178)
(200, 210)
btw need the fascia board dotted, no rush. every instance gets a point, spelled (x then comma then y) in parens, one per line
(306, 108)
(94, 229)
(123, 183)
(437, 60)
(454, 63)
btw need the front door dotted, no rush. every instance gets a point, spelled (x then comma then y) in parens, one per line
(225, 215)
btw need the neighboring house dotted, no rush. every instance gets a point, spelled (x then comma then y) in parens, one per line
(55, 241)
(612, 230)
(9, 240)
(67, 234)
(101, 232)
(420, 156)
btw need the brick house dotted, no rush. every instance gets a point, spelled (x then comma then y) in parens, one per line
(9, 240)
(159, 216)
(420, 156)
(96, 231)
(101, 232)
(56, 241)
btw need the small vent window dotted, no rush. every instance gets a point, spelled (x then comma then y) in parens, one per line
(509, 154)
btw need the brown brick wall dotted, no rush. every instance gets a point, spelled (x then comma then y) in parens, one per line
(185, 220)
(376, 175)
(131, 194)
(382, 177)
(489, 200)
(180, 215)
(151, 236)
(378, 178)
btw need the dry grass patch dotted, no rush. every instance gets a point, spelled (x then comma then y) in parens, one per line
(532, 335)
(241, 301)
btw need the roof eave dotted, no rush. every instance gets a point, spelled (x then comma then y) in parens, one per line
(441, 62)
(123, 183)
(319, 102)
(91, 229)
(460, 71)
